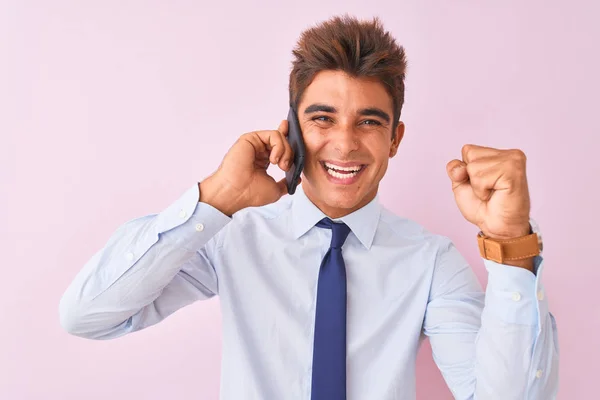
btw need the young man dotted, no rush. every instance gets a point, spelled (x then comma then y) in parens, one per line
(325, 293)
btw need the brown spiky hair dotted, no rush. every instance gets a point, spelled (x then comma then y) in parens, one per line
(360, 48)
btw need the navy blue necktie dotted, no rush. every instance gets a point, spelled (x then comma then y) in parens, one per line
(329, 353)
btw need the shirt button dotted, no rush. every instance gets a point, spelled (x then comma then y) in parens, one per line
(199, 227)
(516, 296)
(129, 256)
(538, 373)
(182, 214)
(540, 295)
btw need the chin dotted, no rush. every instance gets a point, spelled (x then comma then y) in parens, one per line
(348, 198)
(341, 200)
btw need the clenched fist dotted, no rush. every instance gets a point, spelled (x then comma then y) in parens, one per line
(490, 188)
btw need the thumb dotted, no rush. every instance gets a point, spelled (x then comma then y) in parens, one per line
(457, 171)
(282, 185)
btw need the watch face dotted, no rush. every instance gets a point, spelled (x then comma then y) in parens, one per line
(535, 228)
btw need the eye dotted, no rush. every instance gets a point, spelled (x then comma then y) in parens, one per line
(371, 122)
(322, 118)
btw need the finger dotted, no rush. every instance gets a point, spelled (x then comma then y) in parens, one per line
(283, 127)
(288, 155)
(504, 172)
(260, 147)
(486, 176)
(457, 172)
(281, 149)
(273, 141)
(285, 153)
(262, 162)
(471, 152)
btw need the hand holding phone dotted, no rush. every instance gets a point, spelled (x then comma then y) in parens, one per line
(296, 141)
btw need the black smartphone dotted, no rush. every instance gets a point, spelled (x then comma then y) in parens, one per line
(296, 142)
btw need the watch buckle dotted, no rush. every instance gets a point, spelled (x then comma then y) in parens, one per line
(491, 250)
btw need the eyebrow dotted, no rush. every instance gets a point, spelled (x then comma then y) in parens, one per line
(315, 108)
(371, 111)
(375, 112)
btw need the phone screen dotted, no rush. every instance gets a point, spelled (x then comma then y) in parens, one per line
(297, 144)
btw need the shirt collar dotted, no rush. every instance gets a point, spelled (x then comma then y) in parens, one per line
(363, 222)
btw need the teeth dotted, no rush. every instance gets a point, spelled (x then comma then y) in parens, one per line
(337, 167)
(340, 175)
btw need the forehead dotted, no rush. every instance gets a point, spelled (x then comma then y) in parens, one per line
(346, 93)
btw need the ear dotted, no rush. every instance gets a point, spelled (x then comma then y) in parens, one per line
(397, 138)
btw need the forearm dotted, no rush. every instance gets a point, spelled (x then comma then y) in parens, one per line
(516, 352)
(490, 345)
(133, 269)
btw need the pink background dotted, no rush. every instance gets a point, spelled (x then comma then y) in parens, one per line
(110, 110)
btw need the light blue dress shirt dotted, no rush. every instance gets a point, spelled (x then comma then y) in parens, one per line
(404, 283)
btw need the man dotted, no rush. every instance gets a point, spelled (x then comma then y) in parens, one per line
(325, 293)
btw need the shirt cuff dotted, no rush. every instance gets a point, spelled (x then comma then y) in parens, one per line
(190, 223)
(516, 295)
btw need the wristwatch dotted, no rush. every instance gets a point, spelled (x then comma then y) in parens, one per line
(502, 250)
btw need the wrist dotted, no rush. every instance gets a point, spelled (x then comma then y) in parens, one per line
(516, 246)
(220, 195)
(511, 233)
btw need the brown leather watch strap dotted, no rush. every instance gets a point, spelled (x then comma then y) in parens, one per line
(501, 250)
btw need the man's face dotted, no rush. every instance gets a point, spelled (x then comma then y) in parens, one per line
(347, 128)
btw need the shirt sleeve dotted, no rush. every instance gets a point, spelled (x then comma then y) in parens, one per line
(149, 268)
(497, 344)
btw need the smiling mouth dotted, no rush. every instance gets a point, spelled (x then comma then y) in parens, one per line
(340, 172)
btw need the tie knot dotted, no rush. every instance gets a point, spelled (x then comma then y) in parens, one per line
(340, 232)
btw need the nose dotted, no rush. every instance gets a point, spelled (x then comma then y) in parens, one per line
(345, 139)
